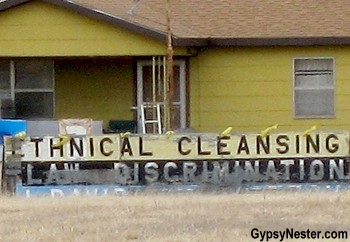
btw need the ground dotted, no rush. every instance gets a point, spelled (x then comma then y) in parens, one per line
(172, 217)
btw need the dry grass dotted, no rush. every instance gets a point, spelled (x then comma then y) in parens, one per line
(170, 217)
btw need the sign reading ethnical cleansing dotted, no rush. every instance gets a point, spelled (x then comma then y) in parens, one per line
(185, 147)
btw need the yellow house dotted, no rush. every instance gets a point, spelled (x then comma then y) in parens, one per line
(247, 65)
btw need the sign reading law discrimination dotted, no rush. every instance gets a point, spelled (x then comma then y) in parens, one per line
(182, 147)
(218, 172)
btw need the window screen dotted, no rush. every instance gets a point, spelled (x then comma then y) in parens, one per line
(314, 88)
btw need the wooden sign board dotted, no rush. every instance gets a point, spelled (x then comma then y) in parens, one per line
(197, 158)
(177, 147)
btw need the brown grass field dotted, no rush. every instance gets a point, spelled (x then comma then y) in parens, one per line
(172, 217)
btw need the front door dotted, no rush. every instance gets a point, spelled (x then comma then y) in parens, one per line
(150, 90)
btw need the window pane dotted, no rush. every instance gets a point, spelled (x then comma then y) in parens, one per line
(34, 74)
(314, 103)
(5, 75)
(34, 105)
(5, 84)
(314, 87)
(7, 108)
(314, 81)
(313, 65)
(5, 90)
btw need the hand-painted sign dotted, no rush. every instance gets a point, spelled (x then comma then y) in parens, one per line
(183, 147)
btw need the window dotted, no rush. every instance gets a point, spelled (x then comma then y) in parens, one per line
(314, 88)
(27, 89)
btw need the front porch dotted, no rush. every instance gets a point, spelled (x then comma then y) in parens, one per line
(108, 89)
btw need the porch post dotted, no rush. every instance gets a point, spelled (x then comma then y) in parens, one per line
(169, 109)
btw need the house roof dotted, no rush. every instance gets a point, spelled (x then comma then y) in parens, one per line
(224, 22)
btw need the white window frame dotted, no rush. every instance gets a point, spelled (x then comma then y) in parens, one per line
(295, 88)
(15, 90)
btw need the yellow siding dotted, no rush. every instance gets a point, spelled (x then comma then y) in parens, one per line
(42, 29)
(101, 89)
(252, 88)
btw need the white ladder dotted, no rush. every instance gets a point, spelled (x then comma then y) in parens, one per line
(157, 120)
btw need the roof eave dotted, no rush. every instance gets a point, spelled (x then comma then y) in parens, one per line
(286, 41)
(259, 42)
(9, 4)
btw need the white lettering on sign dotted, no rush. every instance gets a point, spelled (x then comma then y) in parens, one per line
(226, 172)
